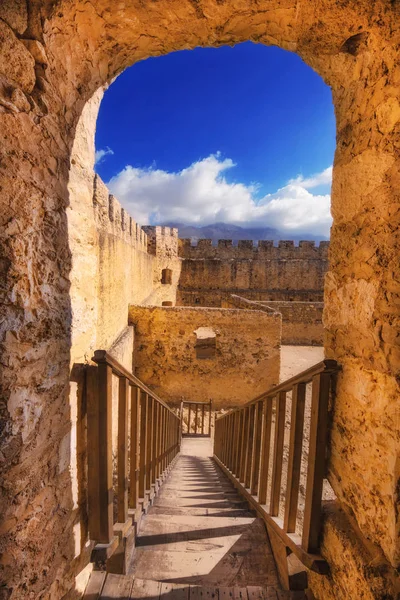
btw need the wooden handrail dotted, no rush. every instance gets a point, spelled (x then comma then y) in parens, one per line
(147, 428)
(244, 444)
(325, 366)
(200, 410)
(103, 357)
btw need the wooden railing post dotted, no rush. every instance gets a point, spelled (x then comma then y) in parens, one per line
(135, 448)
(278, 453)
(149, 446)
(294, 462)
(316, 461)
(265, 451)
(122, 456)
(255, 459)
(100, 485)
(143, 443)
(244, 450)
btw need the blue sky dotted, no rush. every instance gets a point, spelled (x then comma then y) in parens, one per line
(218, 134)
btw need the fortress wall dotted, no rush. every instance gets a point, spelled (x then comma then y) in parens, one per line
(263, 250)
(287, 272)
(301, 321)
(162, 244)
(246, 361)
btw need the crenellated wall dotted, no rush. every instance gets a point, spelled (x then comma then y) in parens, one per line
(210, 274)
(263, 250)
(162, 243)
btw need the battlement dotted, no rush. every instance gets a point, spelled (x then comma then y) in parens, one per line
(162, 240)
(112, 218)
(247, 249)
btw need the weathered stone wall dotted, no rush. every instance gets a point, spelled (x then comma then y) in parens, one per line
(163, 245)
(246, 362)
(301, 321)
(54, 56)
(263, 272)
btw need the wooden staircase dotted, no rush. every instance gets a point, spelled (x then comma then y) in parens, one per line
(126, 587)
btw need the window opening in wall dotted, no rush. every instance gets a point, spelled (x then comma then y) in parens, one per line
(166, 276)
(206, 342)
(197, 301)
(166, 303)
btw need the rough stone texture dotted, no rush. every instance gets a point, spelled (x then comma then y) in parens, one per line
(162, 243)
(246, 361)
(355, 47)
(301, 321)
(359, 568)
(17, 64)
(284, 272)
(15, 14)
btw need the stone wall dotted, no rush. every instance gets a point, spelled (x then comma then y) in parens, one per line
(247, 353)
(263, 272)
(54, 57)
(163, 245)
(301, 321)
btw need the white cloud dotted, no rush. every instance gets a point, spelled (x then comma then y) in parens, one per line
(323, 178)
(101, 154)
(201, 195)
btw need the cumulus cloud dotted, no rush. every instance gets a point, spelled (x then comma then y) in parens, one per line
(100, 155)
(201, 195)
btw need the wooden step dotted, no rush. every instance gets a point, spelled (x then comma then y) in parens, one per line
(125, 587)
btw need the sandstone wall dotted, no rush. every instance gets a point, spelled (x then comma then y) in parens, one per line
(284, 272)
(301, 321)
(54, 57)
(247, 357)
(163, 246)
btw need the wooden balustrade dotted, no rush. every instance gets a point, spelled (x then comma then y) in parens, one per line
(249, 446)
(196, 419)
(148, 439)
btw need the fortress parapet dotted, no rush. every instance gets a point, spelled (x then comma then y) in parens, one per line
(113, 219)
(247, 249)
(162, 241)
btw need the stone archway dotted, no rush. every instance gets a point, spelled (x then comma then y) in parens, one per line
(55, 56)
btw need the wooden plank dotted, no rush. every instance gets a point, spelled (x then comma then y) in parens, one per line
(316, 461)
(240, 593)
(314, 562)
(175, 591)
(278, 453)
(106, 493)
(255, 460)
(265, 450)
(202, 419)
(145, 588)
(154, 440)
(92, 391)
(143, 443)
(135, 447)
(195, 419)
(225, 593)
(189, 417)
(158, 446)
(294, 462)
(243, 445)
(249, 445)
(149, 446)
(255, 592)
(203, 593)
(122, 452)
(117, 587)
(94, 586)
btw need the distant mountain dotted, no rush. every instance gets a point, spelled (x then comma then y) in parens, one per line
(224, 231)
